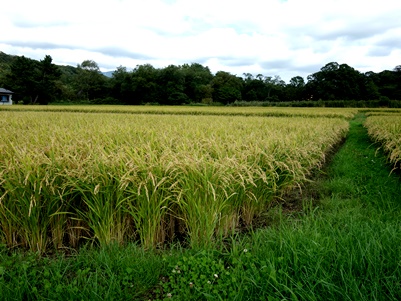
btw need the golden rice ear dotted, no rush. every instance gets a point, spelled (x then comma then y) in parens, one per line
(384, 127)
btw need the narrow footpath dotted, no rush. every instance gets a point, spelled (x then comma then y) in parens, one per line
(346, 243)
(361, 172)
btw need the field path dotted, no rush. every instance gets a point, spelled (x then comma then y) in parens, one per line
(345, 244)
(359, 171)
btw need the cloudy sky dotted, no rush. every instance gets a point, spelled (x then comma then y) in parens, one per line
(269, 37)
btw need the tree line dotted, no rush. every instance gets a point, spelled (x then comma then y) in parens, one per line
(42, 82)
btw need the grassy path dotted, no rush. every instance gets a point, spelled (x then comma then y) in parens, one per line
(360, 173)
(344, 246)
(348, 248)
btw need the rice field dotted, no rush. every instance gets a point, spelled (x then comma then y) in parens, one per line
(381, 111)
(68, 177)
(347, 113)
(386, 130)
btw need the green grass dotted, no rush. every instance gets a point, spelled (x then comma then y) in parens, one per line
(112, 273)
(343, 245)
(346, 247)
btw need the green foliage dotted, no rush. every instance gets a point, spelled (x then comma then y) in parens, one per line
(145, 88)
(388, 83)
(226, 87)
(33, 82)
(383, 102)
(202, 276)
(197, 82)
(122, 86)
(23, 79)
(190, 84)
(48, 75)
(89, 82)
(111, 273)
(335, 81)
(5, 63)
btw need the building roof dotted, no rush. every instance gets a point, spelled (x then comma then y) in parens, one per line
(5, 91)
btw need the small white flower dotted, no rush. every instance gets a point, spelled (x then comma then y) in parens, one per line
(245, 250)
(209, 282)
(169, 295)
(191, 284)
(216, 276)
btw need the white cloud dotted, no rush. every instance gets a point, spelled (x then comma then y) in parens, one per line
(271, 37)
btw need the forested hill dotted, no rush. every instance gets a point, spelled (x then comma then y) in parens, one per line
(42, 82)
(6, 59)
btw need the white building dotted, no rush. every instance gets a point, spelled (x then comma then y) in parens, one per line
(5, 97)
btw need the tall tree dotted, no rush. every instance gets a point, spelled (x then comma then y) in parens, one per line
(197, 82)
(34, 82)
(296, 88)
(48, 75)
(254, 88)
(397, 76)
(172, 86)
(121, 85)
(66, 85)
(226, 87)
(145, 85)
(335, 81)
(89, 81)
(22, 79)
(388, 83)
(275, 88)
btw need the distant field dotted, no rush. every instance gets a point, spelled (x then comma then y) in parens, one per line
(194, 110)
(382, 111)
(151, 177)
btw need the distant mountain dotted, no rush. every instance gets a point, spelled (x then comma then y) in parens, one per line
(5, 63)
(6, 58)
(108, 73)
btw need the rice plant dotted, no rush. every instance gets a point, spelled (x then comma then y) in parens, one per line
(113, 177)
(386, 130)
